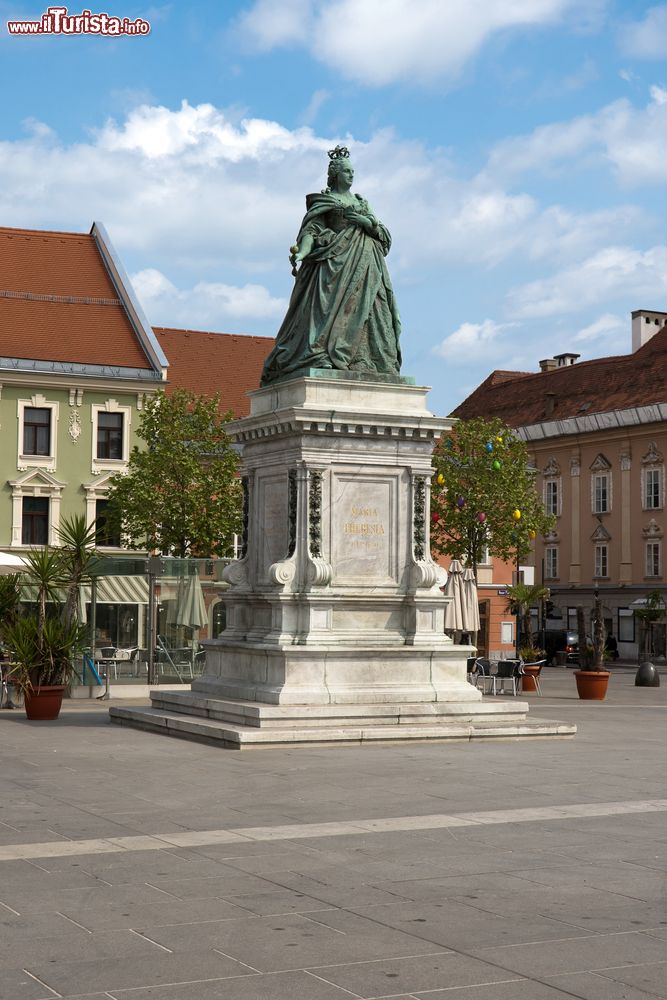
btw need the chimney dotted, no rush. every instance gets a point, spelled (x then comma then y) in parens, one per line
(548, 364)
(645, 324)
(567, 358)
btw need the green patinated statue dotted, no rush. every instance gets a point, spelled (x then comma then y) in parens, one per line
(342, 313)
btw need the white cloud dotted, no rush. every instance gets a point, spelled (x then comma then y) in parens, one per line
(207, 305)
(214, 203)
(632, 140)
(611, 274)
(465, 343)
(646, 39)
(378, 42)
(602, 328)
(270, 24)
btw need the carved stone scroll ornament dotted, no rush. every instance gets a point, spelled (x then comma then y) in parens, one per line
(320, 572)
(236, 572)
(284, 571)
(419, 518)
(424, 573)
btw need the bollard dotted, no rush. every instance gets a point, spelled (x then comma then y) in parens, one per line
(647, 676)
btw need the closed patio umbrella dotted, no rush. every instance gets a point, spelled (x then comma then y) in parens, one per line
(470, 602)
(191, 608)
(454, 612)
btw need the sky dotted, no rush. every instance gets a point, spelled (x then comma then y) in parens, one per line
(515, 149)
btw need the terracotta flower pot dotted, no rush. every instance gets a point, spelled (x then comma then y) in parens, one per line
(592, 684)
(42, 704)
(528, 679)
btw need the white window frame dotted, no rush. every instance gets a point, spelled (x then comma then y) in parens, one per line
(552, 495)
(99, 490)
(596, 478)
(551, 562)
(35, 483)
(48, 462)
(99, 465)
(653, 559)
(601, 561)
(649, 472)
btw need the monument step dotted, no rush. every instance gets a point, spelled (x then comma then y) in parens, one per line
(234, 736)
(261, 715)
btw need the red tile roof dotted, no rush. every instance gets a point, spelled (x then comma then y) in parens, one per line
(613, 383)
(209, 363)
(58, 303)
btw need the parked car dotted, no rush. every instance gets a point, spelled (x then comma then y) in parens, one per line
(563, 640)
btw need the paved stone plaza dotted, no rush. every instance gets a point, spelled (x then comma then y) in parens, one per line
(136, 866)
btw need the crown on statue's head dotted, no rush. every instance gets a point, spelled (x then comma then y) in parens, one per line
(340, 152)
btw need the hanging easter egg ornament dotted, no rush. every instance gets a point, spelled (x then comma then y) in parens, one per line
(496, 465)
(449, 443)
(460, 502)
(517, 515)
(481, 517)
(532, 534)
(499, 440)
(435, 517)
(440, 479)
(488, 446)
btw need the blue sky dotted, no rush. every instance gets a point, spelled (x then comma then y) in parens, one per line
(516, 150)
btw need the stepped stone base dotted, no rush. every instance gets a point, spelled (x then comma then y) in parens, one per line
(335, 617)
(237, 724)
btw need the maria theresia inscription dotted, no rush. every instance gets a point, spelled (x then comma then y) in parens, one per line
(363, 528)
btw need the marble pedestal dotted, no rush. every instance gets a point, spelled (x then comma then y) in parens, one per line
(335, 617)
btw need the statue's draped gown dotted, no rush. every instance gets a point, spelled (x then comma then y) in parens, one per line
(342, 313)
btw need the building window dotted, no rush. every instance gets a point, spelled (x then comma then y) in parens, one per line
(105, 533)
(572, 620)
(601, 561)
(36, 431)
(626, 625)
(506, 633)
(110, 435)
(35, 522)
(601, 499)
(552, 496)
(551, 563)
(653, 559)
(652, 484)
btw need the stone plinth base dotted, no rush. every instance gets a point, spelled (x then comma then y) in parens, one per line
(237, 724)
(335, 675)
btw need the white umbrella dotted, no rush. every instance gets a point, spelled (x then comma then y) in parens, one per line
(470, 602)
(455, 611)
(191, 608)
(11, 563)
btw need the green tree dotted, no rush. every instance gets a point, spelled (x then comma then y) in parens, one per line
(180, 495)
(484, 495)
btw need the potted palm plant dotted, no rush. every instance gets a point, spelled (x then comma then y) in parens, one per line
(521, 598)
(44, 644)
(592, 678)
(43, 654)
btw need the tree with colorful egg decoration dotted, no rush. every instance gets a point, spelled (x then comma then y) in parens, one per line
(483, 494)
